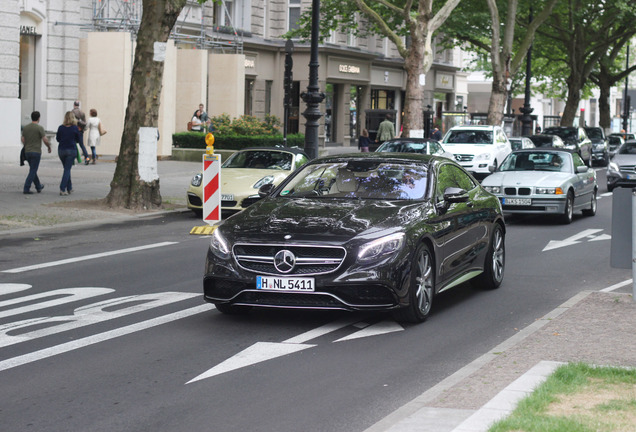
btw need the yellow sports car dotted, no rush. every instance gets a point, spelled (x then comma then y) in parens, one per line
(243, 173)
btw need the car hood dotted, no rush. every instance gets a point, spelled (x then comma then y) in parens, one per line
(624, 159)
(240, 180)
(526, 178)
(328, 220)
(475, 149)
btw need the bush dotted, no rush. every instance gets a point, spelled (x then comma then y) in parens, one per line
(245, 125)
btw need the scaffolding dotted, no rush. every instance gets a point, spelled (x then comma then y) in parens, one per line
(190, 28)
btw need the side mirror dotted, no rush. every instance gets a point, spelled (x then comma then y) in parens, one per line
(265, 190)
(492, 168)
(455, 195)
(581, 169)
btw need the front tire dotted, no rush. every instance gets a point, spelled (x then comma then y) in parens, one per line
(593, 204)
(421, 288)
(566, 217)
(495, 262)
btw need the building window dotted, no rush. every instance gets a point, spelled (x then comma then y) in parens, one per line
(293, 15)
(224, 13)
(249, 96)
(268, 96)
(351, 37)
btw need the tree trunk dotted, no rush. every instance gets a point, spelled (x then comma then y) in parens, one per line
(414, 103)
(497, 102)
(575, 84)
(127, 189)
(604, 85)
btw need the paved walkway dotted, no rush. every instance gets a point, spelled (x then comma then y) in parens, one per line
(594, 327)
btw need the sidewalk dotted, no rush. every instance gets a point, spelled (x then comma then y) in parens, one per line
(593, 327)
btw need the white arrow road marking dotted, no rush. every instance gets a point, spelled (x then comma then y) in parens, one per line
(382, 327)
(101, 337)
(260, 351)
(606, 194)
(10, 288)
(263, 351)
(86, 257)
(555, 244)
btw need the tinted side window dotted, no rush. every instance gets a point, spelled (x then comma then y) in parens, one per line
(452, 176)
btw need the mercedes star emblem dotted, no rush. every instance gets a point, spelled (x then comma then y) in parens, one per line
(284, 261)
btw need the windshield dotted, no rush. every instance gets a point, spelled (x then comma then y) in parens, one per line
(628, 148)
(594, 133)
(566, 134)
(536, 161)
(542, 141)
(403, 147)
(469, 137)
(260, 159)
(359, 179)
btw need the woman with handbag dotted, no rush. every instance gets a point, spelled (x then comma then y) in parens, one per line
(68, 137)
(95, 131)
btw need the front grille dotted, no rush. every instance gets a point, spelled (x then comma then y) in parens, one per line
(228, 203)
(519, 191)
(464, 157)
(310, 260)
(629, 169)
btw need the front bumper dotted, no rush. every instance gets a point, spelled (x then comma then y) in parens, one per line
(543, 204)
(350, 287)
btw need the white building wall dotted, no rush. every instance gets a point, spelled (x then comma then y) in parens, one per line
(10, 106)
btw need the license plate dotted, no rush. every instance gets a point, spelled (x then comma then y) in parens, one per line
(284, 283)
(227, 197)
(631, 176)
(516, 201)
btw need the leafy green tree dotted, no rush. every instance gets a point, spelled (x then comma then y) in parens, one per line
(491, 29)
(127, 189)
(576, 37)
(397, 20)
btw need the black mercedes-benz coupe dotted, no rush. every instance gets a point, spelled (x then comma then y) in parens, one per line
(365, 231)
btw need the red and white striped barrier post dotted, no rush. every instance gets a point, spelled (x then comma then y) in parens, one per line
(211, 183)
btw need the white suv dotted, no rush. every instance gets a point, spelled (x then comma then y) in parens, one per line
(477, 147)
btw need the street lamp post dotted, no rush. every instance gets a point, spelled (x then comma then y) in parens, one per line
(313, 96)
(626, 96)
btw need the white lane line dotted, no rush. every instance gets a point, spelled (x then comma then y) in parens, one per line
(86, 257)
(101, 337)
(617, 286)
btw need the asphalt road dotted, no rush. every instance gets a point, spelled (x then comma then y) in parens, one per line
(104, 329)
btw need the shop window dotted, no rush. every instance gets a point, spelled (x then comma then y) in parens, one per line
(293, 15)
(382, 99)
(268, 96)
(249, 96)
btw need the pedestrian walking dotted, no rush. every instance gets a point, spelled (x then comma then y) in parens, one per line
(364, 141)
(95, 132)
(67, 136)
(386, 130)
(203, 116)
(80, 121)
(32, 137)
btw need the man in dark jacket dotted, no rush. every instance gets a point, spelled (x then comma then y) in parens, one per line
(81, 125)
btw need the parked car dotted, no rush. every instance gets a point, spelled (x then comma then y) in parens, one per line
(518, 143)
(574, 138)
(365, 231)
(544, 181)
(414, 145)
(600, 148)
(244, 172)
(477, 147)
(614, 142)
(621, 171)
(547, 140)
(625, 136)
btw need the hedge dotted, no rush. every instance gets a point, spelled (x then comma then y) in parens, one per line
(196, 140)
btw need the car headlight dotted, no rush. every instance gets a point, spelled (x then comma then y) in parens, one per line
(599, 146)
(493, 189)
(381, 247)
(549, 191)
(483, 156)
(263, 181)
(570, 146)
(218, 245)
(196, 180)
(613, 166)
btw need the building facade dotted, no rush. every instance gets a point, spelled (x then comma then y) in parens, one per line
(229, 56)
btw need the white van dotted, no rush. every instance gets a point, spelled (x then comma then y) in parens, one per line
(477, 147)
